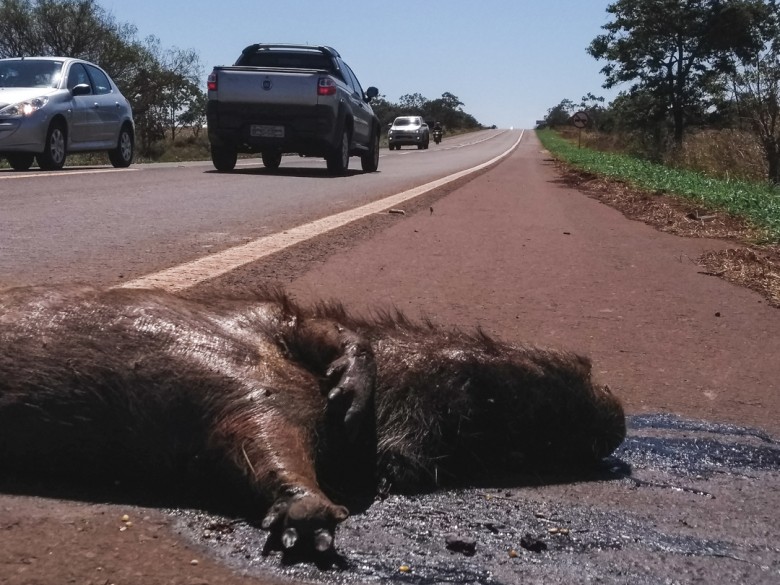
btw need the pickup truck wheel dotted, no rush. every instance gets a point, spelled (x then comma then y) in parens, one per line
(338, 161)
(369, 162)
(224, 159)
(272, 160)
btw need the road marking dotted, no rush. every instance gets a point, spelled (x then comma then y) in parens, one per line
(186, 275)
(454, 146)
(64, 173)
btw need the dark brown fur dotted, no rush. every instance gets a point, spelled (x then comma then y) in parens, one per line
(280, 399)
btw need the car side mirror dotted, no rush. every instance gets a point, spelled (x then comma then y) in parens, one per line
(81, 89)
(371, 93)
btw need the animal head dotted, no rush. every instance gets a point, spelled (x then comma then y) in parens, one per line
(466, 408)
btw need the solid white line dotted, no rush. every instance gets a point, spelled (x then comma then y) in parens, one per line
(64, 173)
(192, 273)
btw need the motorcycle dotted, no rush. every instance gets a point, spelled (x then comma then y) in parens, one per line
(437, 134)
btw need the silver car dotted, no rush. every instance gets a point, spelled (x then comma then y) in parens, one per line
(52, 106)
(411, 130)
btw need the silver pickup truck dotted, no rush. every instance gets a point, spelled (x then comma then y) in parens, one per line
(299, 99)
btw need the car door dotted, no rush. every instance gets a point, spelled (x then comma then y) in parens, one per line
(360, 109)
(107, 107)
(84, 117)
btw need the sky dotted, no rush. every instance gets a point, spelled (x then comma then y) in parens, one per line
(508, 61)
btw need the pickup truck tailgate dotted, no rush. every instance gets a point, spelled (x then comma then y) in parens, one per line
(272, 86)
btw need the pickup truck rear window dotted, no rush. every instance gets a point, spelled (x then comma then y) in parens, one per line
(284, 60)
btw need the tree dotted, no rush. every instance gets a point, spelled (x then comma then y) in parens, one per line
(757, 92)
(385, 110)
(593, 106)
(673, 49)
(413, 103)
(755, 84)
(16, 19)
(69, 28)
(181, 75)
(451, 101)
(560, 115)
(448, 110)
(194, 114)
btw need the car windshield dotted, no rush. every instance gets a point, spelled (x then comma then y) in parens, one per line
(404, 121)
(29, 73)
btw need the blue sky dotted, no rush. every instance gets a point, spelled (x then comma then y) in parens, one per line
(508, 61)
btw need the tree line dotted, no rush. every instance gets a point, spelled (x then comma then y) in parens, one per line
(688, 64)
(447, 110)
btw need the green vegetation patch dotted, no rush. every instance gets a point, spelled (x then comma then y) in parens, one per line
(758, 203)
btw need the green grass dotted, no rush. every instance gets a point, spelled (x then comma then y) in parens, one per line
(759, 203)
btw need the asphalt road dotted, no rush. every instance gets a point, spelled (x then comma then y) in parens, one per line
(106, 226)
(691, 497)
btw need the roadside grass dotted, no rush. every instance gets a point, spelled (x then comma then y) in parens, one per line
(758, 203)
(688, 204)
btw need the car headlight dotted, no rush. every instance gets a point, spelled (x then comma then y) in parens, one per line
(25, 108)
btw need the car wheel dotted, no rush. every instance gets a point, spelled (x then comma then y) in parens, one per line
(53, 156)
(338, 161)
(20, 162)
(369, 162)
(272, 160)
(224, 159)
(122, 155)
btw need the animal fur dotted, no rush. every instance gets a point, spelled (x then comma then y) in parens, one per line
(300, 406)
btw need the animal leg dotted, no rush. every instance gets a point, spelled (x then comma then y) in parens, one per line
(327, 348)
(275, 454)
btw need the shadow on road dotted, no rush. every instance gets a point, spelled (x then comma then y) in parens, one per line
(311, 173)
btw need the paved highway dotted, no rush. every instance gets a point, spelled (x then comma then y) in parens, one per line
(107, 226)
(691, 496)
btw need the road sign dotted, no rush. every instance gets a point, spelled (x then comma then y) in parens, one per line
(580, 119)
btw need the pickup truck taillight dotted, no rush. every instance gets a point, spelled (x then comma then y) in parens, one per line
(326, 86)
(211, 83)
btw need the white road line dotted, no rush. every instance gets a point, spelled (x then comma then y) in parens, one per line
(64, 173)
(186, 275)
(454, 146)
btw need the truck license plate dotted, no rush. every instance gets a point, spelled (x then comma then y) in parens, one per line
(265, 131)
